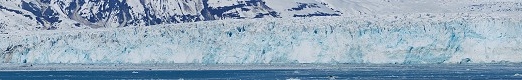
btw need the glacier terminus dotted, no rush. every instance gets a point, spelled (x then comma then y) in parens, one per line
(302, 40)
(260, 31)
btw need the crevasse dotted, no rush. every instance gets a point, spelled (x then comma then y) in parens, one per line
(293, 40)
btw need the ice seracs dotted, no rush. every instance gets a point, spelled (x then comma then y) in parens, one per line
(260, 31)
(446, 38)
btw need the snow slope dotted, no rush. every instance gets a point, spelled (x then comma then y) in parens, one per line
(36, 15)
(408, 39)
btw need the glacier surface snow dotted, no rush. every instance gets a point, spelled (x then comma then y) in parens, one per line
(388, 39)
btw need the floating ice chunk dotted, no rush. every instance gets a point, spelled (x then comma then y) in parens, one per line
(293, 79)
(518, 75)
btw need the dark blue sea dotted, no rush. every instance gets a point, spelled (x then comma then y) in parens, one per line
(371, 72)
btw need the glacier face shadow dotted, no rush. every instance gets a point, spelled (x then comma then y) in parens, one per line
(292, 40)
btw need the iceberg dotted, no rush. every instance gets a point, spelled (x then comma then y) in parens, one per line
(368, 39)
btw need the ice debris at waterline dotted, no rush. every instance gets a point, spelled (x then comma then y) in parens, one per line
(379, 39)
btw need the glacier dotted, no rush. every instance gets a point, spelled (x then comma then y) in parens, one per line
(395, 39)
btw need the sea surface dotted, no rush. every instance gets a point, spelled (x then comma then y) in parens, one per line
(512, 71)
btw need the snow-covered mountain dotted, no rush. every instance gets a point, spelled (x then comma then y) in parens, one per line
(34, 15)
(62, 14)
(168, 31)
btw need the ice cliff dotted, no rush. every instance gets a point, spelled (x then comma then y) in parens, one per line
(408, 39)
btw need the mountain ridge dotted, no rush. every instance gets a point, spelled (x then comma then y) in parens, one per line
(35, 15)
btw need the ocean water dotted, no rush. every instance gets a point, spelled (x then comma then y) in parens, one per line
(392, 71)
